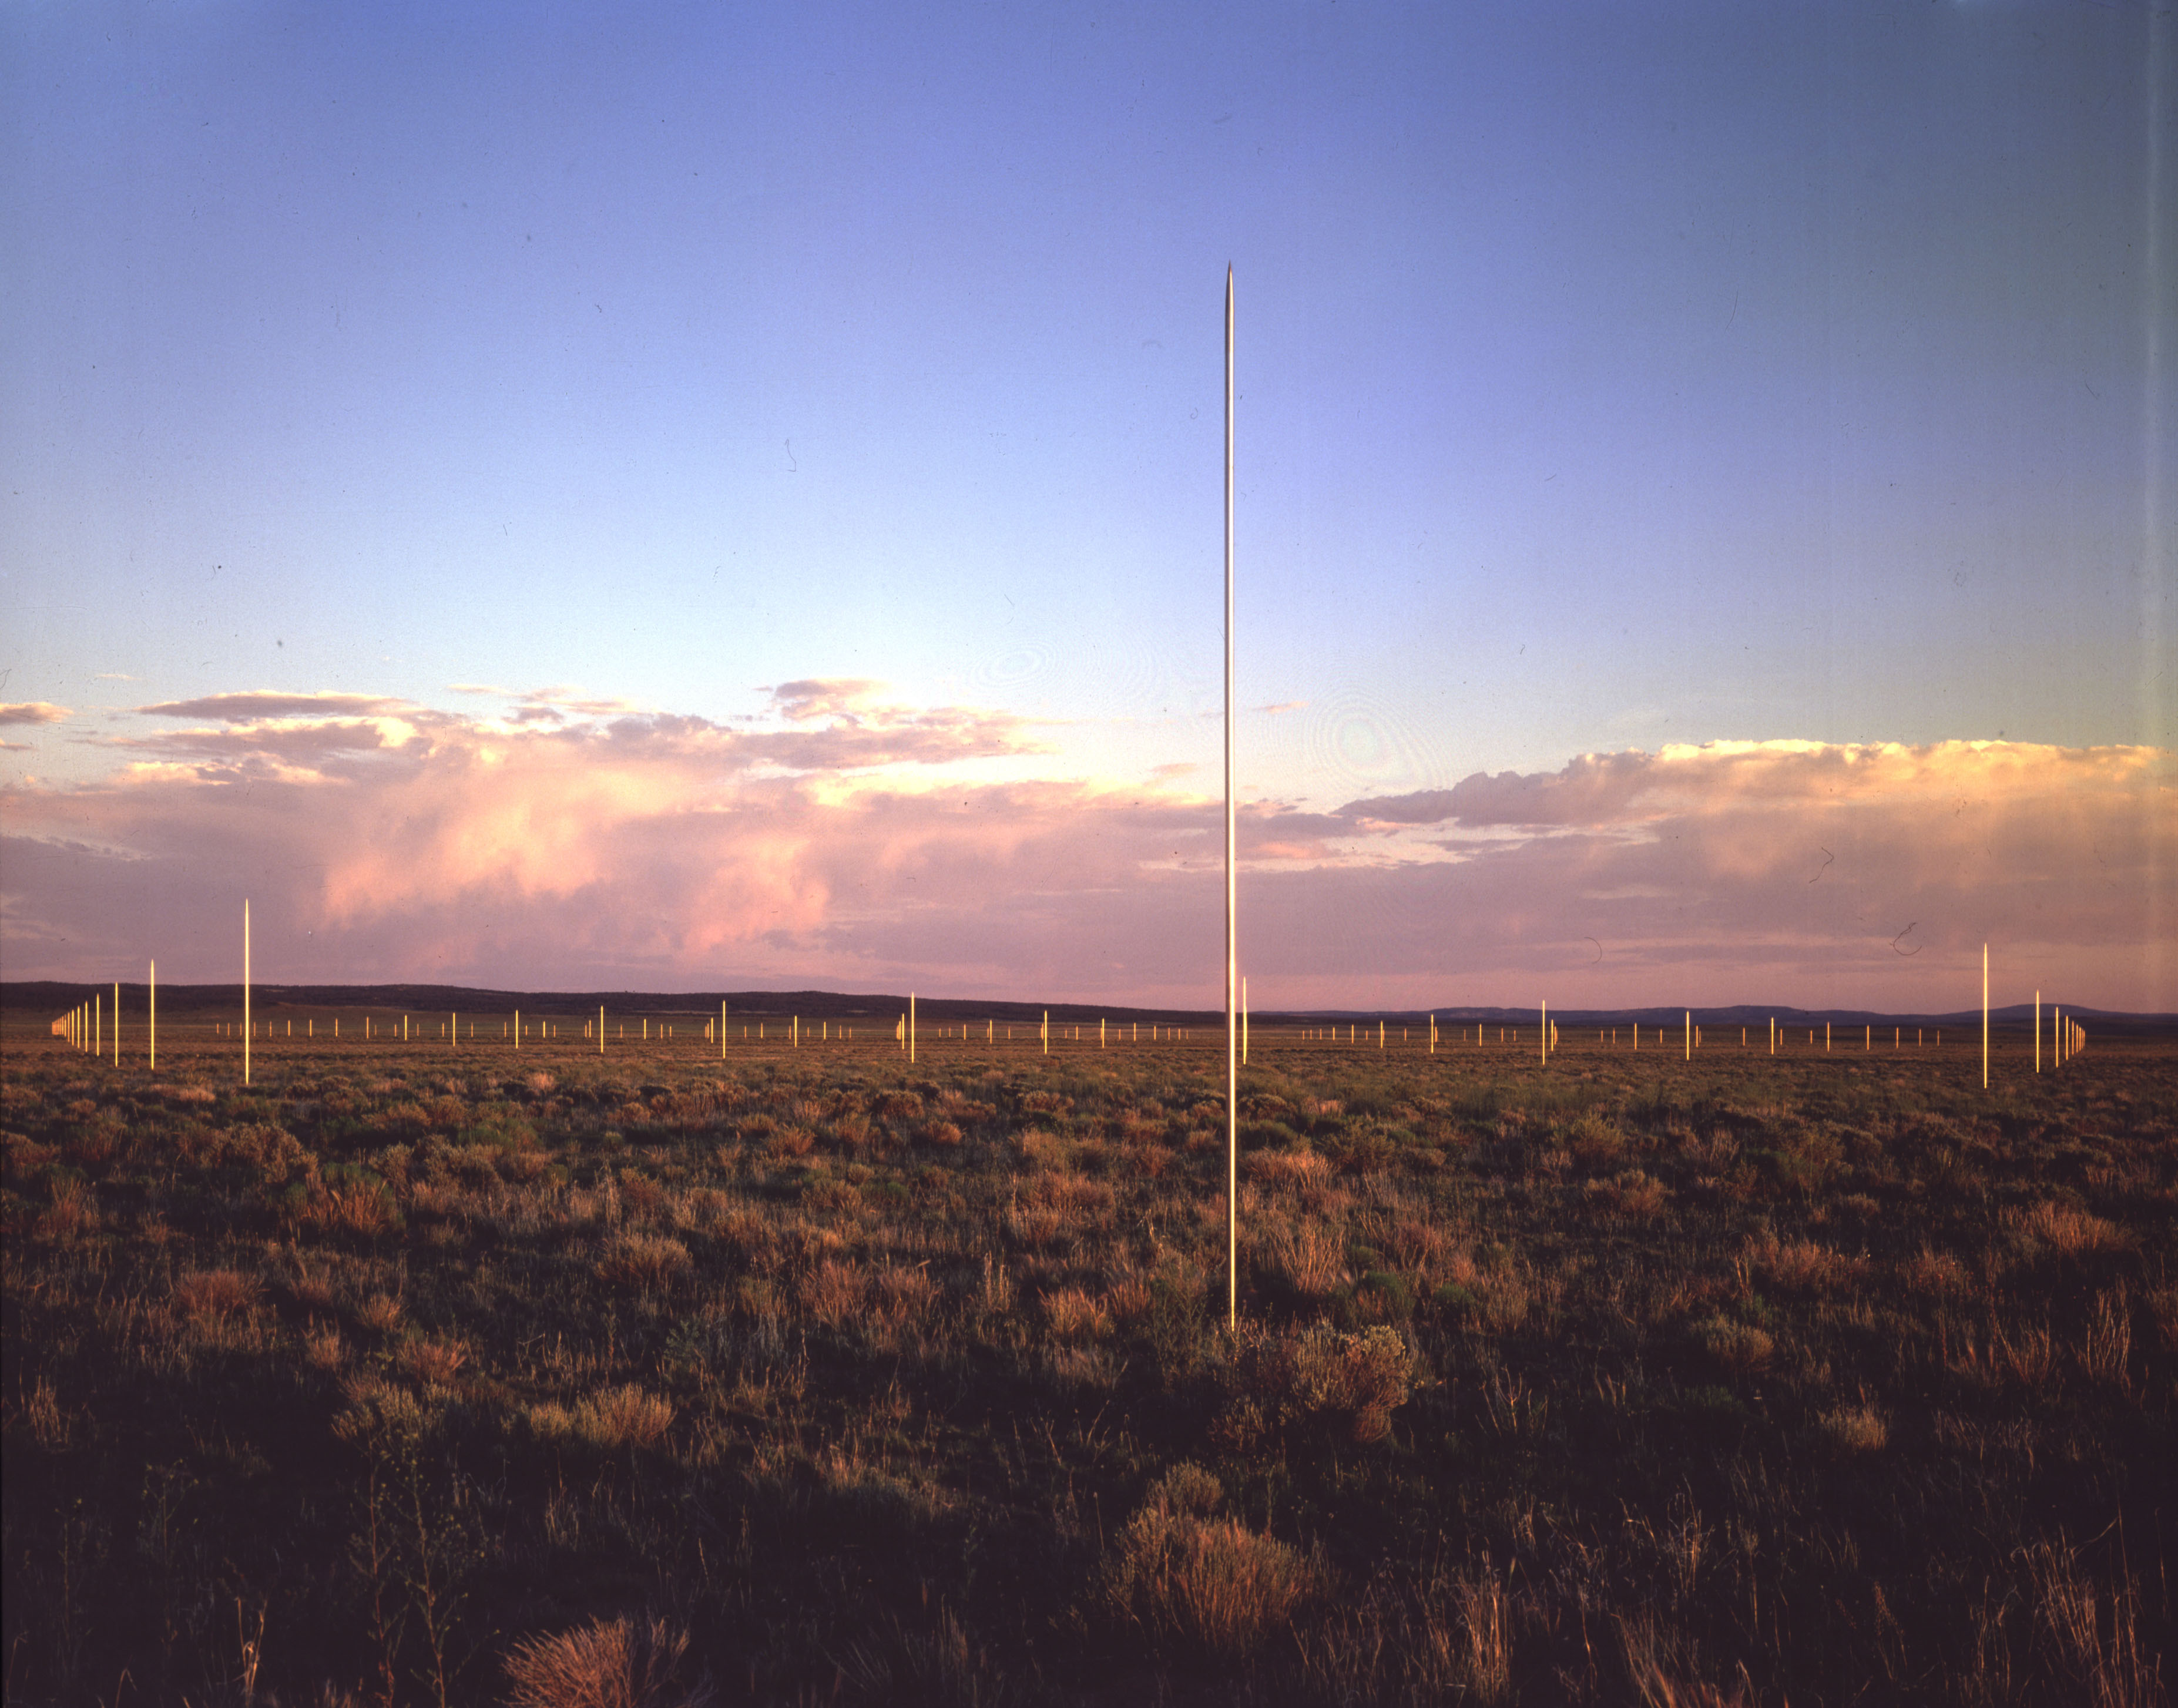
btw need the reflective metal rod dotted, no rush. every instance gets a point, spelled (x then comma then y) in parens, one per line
(1232, 941)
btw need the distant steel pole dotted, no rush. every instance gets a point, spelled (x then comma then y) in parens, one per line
(1231, 891)
(1984, 1016)
(246, 1027)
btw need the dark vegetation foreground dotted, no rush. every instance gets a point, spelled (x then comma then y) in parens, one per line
(417, 1377)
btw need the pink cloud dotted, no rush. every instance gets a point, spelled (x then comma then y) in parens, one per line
(850, 849)
(32, 712)
(256, 704)
(824, 696)
(1865, 874)
(562, 702)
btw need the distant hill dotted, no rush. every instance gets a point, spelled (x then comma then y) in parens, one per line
(48, 998)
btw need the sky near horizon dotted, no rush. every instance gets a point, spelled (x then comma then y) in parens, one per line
(703, 497)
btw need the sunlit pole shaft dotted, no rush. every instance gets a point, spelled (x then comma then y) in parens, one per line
(1231, 891)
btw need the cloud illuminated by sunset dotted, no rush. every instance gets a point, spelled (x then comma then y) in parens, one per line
(851, 841)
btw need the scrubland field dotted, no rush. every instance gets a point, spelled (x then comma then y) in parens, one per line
(414, 1375)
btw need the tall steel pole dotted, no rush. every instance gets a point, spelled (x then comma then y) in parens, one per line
(1232, 893)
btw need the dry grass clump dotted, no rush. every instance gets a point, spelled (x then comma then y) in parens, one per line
(1053, 1208)
(191, 1095)
(2025, 1356)
(1292, 1170)
(1664, 1679)
(2163, 1305)
(379, 1412)
(1072, 1314)
(1934, 1275)
(901, 1293)
(323, 1350)
(1738, 1346)
(642, 1199)
(2089, 1637)
(1595, 1144)
(1084, 1203)
(1035, 1228)
(623, 1416)
(212, 1295)
(1853, 1429)
(832, 1293)
(72, 1214)
(524, 1165)
(362, 1208)
(310, 1283)
(380, 1313)
(1129, 1299)
(1038, 1148)
(1801, 1266)
(1635, 1193)
(2104, 1350)
(645, 1262)
(2050, 1226)
(1181, 1573)
(1485, 1615)
(1417, 1245)
(436, 1363)
(1504, 1296)
(1080, 1366)
(835, 1198)
(259, 1147)
(621, 1664)
(1304, 1255)
(42, 1411)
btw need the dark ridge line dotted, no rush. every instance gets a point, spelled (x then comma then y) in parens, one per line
(50, 998)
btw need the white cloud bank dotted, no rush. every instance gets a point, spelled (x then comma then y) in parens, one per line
(848, 841)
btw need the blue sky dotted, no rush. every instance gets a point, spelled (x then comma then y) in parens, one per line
(1611, 378)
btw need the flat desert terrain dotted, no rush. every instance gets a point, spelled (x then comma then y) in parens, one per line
(411, 1374)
